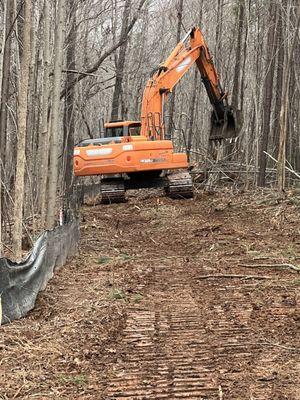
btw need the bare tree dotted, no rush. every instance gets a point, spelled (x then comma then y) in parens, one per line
(69, 110)
(120, 63)
(54, 141)
(173, 96)
(285, 106)
(106, 53)
(9, 19)
(2, 48)
(44, 131)
(22, 120)
(268, 96)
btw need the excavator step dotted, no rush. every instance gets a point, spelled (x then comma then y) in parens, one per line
(179, 185)
(112, 191)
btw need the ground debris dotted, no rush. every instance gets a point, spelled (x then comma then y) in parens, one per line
(147, 309)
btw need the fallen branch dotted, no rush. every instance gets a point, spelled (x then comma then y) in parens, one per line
(263, 343)
(6, 247)
(234, 276)
(220, 393)
(267, 343)
(287, 168)
(291, 266)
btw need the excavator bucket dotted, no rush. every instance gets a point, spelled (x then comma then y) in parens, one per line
(226, 129)
(230, 130)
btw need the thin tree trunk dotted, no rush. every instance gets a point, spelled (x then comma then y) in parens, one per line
(22, 117)
(2, 47)
(44, 131)
(69, 117)
(173, 95)
(192, 114)
(279, 78)
(54, 142)
(285, 108)
(120, 64)
(245, 46)
(238, 59)
(107, 53)
(29, 205)
(219, 35)
(5, 77)
(268, 96)
(1, 77)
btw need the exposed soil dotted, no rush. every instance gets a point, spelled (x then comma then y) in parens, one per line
(167, 300)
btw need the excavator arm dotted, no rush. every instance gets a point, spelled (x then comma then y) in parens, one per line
(167, 76)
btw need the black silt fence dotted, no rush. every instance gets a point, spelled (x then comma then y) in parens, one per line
(20, 283)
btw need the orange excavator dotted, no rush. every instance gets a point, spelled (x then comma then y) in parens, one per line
(136, 154)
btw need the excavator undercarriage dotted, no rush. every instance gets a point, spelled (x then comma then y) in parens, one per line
(179, 185)
(176, 184)
(112, 190)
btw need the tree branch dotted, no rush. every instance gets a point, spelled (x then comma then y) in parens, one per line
(290, 266)
(287, 168)
(106, 54)
(233, 276)
(14, 21)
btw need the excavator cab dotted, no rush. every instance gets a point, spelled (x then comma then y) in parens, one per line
(114, 132)
(122, 128)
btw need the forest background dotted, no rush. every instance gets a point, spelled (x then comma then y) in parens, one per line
(67, 64)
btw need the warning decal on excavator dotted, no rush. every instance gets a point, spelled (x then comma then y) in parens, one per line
(127, 147)
(99, 152)
(184, 64)
(152, 160)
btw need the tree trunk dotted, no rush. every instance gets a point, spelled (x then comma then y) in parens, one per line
(192, 114)
(268, 96)
(44, 131)
(5, 77)
(120, 63)
(285, 108)
(279, 78)
(219, 35)
(3, 42)
(69, 117)
(54, 142)
(4, 33)
(30, 150)
(22, 116)
(238, 60)
(103, 56)
(173, 95)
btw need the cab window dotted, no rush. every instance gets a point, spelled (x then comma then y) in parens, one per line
(114, 132)
(134, 130)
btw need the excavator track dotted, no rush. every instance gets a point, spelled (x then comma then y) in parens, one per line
(179, 185)
(112, 191)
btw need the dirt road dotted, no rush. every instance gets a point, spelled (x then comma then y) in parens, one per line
(167, 300)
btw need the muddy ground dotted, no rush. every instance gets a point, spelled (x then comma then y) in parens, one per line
(167, 300)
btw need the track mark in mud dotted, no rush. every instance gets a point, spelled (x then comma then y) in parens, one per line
(164, 342)
(169, 335)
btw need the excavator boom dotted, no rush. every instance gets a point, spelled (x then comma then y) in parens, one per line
(167, 75)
